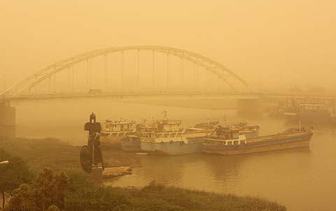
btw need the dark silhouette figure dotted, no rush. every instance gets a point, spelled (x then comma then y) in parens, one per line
(91, 155)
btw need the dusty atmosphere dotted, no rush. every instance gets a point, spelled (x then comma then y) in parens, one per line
(195, 105)
(270, 43)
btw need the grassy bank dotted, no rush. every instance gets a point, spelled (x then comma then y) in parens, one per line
(157, 197)
(53, 153)
(83, 195)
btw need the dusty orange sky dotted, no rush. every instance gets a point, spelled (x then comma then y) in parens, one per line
(269, 43)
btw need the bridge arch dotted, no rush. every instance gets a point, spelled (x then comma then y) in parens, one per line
(232, 80)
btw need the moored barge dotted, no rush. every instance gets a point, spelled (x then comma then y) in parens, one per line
(170, 138)
(226, 141)
(249, 130)
(114, 131)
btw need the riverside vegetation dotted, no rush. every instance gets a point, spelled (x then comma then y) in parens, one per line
(45, 175)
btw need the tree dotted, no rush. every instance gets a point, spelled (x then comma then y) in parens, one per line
(47, 192)
(22, 198)
(12, 174)
(50, 189)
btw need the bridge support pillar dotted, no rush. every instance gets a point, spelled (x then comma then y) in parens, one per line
(7, 120)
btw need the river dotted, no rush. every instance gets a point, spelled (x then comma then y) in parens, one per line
(298, 179)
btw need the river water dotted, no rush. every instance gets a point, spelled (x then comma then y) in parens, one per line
(298, 179)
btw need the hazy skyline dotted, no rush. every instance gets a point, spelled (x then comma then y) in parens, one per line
(268, 43)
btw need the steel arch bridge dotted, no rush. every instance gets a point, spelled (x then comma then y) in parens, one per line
(151, 70)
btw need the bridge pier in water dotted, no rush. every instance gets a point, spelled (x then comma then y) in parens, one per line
(7, 120)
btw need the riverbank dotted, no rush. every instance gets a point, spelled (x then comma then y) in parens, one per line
(158, 197)
(52, 153)
(58, 155)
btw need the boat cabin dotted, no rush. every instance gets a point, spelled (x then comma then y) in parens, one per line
(229, 136)
(169, 125)
(119, 126)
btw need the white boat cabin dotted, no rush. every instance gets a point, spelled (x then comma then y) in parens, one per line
(119, 126)
(228, 136)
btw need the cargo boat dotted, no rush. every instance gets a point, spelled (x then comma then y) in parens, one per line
(131, 143)
(250, 131)
(226, 141)
(164, 136)
(168, 137)
(114, 131)
(309, 110)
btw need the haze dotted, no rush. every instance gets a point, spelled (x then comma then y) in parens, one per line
(269, 43)
(163, 113)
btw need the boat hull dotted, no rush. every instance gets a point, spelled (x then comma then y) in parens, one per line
(108, 142)
(131, 144)
(250, 134)
(270, 143)
(172, 148)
